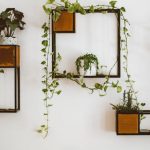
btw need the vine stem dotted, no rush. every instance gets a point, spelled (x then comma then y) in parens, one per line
(47, 82)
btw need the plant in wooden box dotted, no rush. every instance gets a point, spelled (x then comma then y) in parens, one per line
(87, 65)
(10, 20)
(127, 114)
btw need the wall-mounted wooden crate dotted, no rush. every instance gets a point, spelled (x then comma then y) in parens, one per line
(65, 23)
(10, 58)
(129, 123)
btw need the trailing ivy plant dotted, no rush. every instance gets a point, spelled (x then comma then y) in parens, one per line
(87, 60)
(51, 84)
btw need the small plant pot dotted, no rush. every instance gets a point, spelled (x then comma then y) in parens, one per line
(91, 71)
(127, 123)
(8, 40)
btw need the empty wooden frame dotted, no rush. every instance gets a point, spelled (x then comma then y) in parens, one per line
(58, 29)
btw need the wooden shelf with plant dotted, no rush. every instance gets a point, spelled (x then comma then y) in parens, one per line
(128, 115)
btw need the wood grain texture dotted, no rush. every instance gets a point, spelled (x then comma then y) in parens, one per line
(9, 56)
(65, 23)
(128, 123)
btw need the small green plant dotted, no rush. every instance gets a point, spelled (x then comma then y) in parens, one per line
(87, 60)
(10, 20)
(128, 104)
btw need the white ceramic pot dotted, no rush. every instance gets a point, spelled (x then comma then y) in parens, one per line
(89, 72)
(8, 40)
(92, 71)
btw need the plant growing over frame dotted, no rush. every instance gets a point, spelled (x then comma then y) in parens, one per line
(50, 84)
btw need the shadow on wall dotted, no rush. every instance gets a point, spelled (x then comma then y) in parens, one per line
(109, 122)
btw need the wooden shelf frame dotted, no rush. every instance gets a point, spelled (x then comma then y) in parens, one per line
(140, 131)
(54, 48)
(15, 64)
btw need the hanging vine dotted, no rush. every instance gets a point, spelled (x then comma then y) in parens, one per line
(50, 85)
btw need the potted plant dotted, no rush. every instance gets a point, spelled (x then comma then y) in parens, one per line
(127, 114)
(10, 20)
(87, 64)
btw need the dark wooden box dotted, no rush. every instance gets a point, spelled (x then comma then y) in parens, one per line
(9, 56)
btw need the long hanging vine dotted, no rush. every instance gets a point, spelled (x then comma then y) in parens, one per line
(50, 85)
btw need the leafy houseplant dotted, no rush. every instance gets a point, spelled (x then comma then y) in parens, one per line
(127, 121)
(10, 20)
(87, 63)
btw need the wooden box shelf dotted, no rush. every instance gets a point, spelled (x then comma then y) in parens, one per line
(65, 23)
(129, 123)
(10, 58)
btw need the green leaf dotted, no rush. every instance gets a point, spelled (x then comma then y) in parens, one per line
(64, 72)
(50, 1)
(71, 9)
(43, 50)
(44, 90)
(125, 57)
(114, 85)
(43, 62)
(123, 9)
(143, 104)
(91, 9)
(45, 43)
(102, 95)
(59, 57)
(44, 25)
(123, 40)
(98, 86)
(47, 10)
(56, 16)
(83, 85)
(113, 3)
(125, 29)
(45, 35)
(1, 71)
(105, 88)
(39, 131)
(58, 92)
(119, 89)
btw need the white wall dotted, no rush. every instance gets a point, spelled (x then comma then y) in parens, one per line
(78, 120)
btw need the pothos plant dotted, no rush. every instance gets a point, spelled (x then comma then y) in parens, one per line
(51, 85)
(86, 62)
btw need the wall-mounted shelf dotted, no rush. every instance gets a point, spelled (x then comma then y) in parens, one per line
(130, 123)
(68, 23)
(10, 58)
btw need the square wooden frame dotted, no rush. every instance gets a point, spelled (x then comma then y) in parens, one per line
(117, 12)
